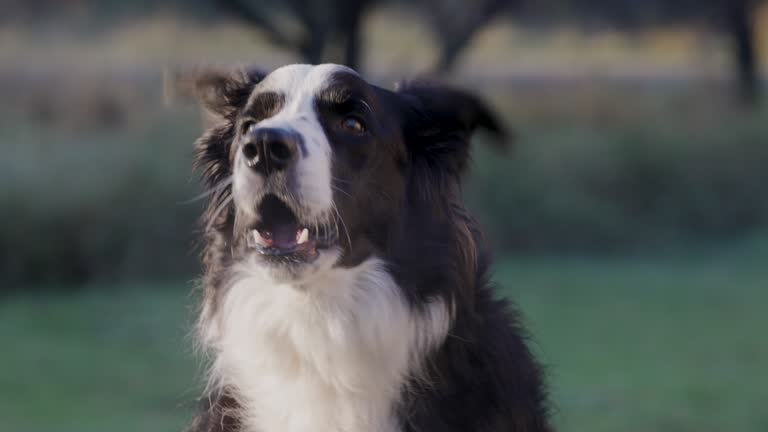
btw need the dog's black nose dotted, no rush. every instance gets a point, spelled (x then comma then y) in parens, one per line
(269, 150)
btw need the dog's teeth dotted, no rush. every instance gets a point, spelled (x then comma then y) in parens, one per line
(258, 238)
(303, 237)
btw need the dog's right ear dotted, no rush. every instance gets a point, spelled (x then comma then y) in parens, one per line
(223, 94)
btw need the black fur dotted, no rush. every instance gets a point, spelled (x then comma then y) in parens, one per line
(405, 207)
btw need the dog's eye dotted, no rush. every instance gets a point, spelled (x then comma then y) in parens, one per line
(247, 126)
(353, 125)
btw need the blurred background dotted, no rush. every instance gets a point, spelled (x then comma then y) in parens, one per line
(630, 221)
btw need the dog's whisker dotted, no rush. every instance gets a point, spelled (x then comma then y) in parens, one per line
(338, 189)
(341, 180)
(215, 215)
(346, 230)
(222, 185)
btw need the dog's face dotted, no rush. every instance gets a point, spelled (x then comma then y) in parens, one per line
(314, 146)
(321, 168)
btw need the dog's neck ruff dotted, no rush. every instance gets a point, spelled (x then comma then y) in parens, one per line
(331, 356)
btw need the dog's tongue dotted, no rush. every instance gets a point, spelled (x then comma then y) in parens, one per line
(284, 236)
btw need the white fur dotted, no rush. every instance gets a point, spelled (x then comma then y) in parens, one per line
(299, 84)
(330, 353)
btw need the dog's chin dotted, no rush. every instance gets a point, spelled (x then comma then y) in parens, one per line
(294, 271)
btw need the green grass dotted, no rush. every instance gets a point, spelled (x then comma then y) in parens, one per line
(667, 343)
(105, 360)
(663, 344)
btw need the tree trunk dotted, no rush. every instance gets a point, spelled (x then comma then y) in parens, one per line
(351, 34)
(741, 26)
(455, 34)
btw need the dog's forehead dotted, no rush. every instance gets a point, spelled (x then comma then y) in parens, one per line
(301, 80)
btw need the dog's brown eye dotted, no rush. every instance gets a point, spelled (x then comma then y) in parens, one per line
(353, 125)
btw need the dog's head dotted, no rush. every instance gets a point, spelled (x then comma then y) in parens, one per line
(312, 167)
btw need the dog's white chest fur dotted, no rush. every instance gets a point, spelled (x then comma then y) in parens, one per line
(332, 356)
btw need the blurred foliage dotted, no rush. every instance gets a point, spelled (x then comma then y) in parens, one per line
(332, 30)
(98, 206)
(624, 187)
(96, 11)
(110, 204)
(100, 173)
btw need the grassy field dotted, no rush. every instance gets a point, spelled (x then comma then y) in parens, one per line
(669, 343)
(663, 344)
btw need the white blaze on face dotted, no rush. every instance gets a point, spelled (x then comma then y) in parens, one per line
(298, 84)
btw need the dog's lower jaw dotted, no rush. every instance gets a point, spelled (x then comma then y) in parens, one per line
(333, 356)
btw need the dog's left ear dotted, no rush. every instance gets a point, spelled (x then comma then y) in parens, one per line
(218, 91)
(224, 93)
(440, 122)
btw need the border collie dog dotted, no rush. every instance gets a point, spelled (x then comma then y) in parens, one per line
(345, 285)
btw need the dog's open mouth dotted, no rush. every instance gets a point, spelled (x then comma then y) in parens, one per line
(280, 233)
